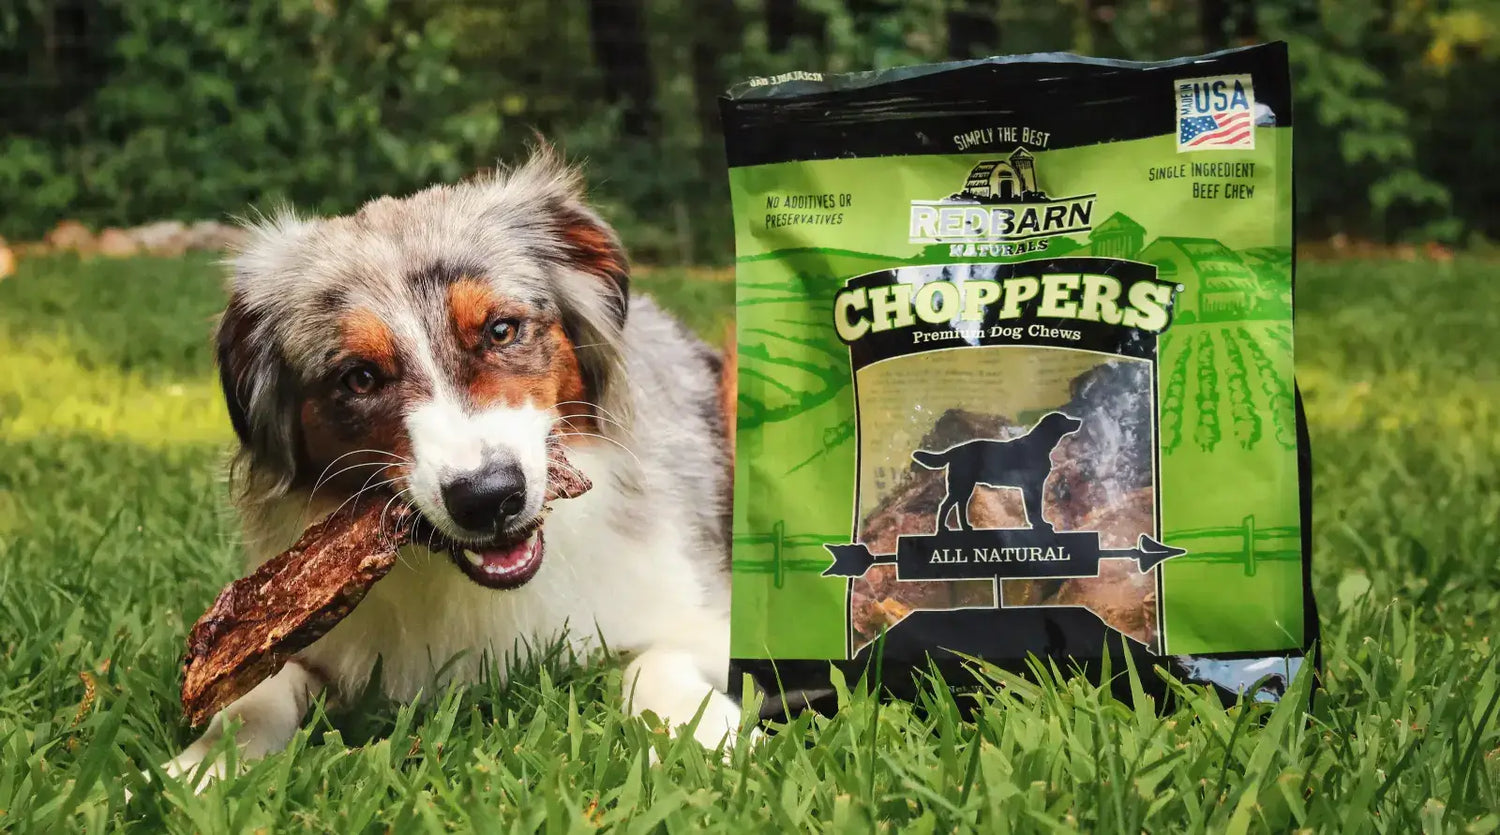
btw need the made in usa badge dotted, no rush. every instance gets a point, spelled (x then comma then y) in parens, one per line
(1216, 114)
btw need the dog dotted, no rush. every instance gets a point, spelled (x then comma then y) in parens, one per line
(433, 346)
(1023, 463)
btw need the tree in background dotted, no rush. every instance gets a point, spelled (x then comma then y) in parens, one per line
(123, 112)
(1225, 22)
(973, 28)
(617, 31)
(788, 20)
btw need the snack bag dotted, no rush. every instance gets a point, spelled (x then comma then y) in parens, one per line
(1015, 371)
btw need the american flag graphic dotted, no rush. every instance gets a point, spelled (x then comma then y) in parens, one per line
(1221, 130)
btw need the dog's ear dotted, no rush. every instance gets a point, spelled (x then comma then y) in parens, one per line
(593, 285)
(234, 342)
(595, 297)
(259, 396)
(572, 235)
(592, 247)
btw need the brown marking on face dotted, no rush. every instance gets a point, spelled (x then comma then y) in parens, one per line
(335, 422)
(593, 248)
(540, 370)
(365, 336)
(572, 396)
(470, 305)
(332, 432)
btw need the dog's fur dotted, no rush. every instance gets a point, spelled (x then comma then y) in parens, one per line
(1023, 463)
(408, 287)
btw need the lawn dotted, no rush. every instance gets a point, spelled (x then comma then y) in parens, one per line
(114, 537)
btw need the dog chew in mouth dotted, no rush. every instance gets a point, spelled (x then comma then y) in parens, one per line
(259, 622)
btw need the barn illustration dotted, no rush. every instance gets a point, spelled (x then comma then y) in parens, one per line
(1117, 237)
(1226, 286)
(1009, 180)
(1272, 265)
(1218, 283)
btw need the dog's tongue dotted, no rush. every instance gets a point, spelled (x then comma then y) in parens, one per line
(507, 562)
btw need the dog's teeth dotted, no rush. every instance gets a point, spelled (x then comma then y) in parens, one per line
(473, 558)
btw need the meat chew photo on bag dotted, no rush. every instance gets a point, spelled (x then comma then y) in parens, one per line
(1016, 372)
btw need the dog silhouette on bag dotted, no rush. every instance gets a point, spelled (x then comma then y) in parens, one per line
(1023, 463)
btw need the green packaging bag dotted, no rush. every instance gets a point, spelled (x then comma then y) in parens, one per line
(1015, 371)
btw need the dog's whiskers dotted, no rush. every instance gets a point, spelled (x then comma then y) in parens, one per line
(604, 412)
(366, 488)
(383, 511)
(398, 458)
(627, 449)
(566, 420)
(349, 468)
(431, 533)
(324, 478)
(380, 529)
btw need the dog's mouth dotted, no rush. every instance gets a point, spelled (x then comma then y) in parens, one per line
(501, 566)
(510, 559)
(507, 561)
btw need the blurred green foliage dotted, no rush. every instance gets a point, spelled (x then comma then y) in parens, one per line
(125, 111)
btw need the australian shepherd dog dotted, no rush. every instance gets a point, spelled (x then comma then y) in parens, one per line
(430, 348)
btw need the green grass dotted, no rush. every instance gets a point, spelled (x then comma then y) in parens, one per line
(113, 539)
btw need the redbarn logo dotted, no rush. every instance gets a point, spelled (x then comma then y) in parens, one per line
(1000, 202)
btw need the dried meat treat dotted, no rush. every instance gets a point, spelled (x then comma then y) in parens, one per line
(286, 604)
(564, 481)
(1121, 596)
(259, 622)
(1121, 523)
(1111, 455)
(1100, 481)
(909, 509)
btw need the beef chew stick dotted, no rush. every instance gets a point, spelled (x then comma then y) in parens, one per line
(290, 601)
(260, 621)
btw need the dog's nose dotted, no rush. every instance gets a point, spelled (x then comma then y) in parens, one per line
(488, 498)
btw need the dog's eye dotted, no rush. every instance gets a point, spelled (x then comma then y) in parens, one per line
(361, 380)
(502, 331)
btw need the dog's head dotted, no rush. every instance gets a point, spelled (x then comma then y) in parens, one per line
(1057, 425)
(435, 345)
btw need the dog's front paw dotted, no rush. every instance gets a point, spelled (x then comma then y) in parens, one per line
(180, 769)
(670, 685)
(718, 727)
(720, 722)
(188, 764)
